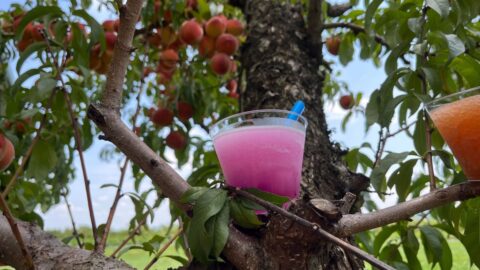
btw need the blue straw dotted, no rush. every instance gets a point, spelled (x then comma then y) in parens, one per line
(298, 108)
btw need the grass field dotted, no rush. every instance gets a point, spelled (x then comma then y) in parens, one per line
(139, 258)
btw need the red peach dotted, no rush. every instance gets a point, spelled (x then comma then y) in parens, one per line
(8, 154)
(215, 27)
(109, 26)
(162, 117)
(234, 27)
(185, 110)
(191, 32)
(206, 47)
(176, 140)
(220, 63)
(226, 43)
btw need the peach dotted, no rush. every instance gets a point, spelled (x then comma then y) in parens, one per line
(169, 58)
(110, 39)
(347, 102)
(109, 26)
(206, 47)
(234, 27)
(333, 44)
(232, 85)
(220, 63)
(226, 43)
(176, 140)
(185, 110)
(215, 27)
(162, 117)
(7, 154)
(191, 32)
(37, 30)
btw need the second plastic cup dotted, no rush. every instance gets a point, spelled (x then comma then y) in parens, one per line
(457, 118)
(262, 149)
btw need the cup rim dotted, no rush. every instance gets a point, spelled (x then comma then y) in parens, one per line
(299, 116)
(431, 104)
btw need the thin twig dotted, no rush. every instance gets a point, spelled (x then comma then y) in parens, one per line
(421, 59)
(74, 227)
(315, 227)
(78, 142)
(359, 29)
(27, 155)
(16, 232)
(160, 252)
(382, 141)
(130, 236)
(123, 170)
(380, 147)
(103, 242)
(76, 134)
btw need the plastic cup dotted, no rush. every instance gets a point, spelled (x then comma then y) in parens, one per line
(457, 118)
(262, 149)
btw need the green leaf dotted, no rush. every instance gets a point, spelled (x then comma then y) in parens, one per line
(455, 45)
(377, 178)
(371, 9)
(45, 86)
(97, 34)
(209, 204)
(192, 194)
(267, 196)
(25, 76)
(445, 157)
(381, 237)
(219, 230)
(442, 7)
(345, 52)
(431, 239)
(180, 259)
(410, 247)
(36, 13)
(419, 135)
(42, 161)
(402, 178)
(35, 47)
(468, 68)
(242, 216)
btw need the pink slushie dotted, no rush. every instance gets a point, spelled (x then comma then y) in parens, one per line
(267, 157)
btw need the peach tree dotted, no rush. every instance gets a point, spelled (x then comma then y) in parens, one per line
(152, 82)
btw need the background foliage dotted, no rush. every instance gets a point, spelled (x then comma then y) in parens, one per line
(430, 49)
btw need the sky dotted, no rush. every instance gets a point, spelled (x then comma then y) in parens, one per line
(361, 76)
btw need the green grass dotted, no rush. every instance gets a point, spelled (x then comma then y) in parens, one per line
(139, 258)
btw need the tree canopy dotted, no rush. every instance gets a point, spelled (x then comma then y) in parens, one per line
(156, 79)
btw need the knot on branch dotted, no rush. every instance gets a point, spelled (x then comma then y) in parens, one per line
(94, 114)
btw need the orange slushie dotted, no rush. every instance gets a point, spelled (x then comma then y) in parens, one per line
(459, 124)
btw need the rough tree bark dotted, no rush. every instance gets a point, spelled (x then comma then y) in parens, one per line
(48, 252)
(281, 69)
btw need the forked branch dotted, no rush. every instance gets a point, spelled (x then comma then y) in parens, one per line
(355, 223)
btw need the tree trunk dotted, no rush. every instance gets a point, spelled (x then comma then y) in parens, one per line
(279, 70)
(48, 252)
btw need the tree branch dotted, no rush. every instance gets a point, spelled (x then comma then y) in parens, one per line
(351, 224)
(26, 260)
(315, 227)
(130, 236)
(74, 227)
(356, 29)
(163, 248)
(112, 95)
(48, 252)
(337, 10)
